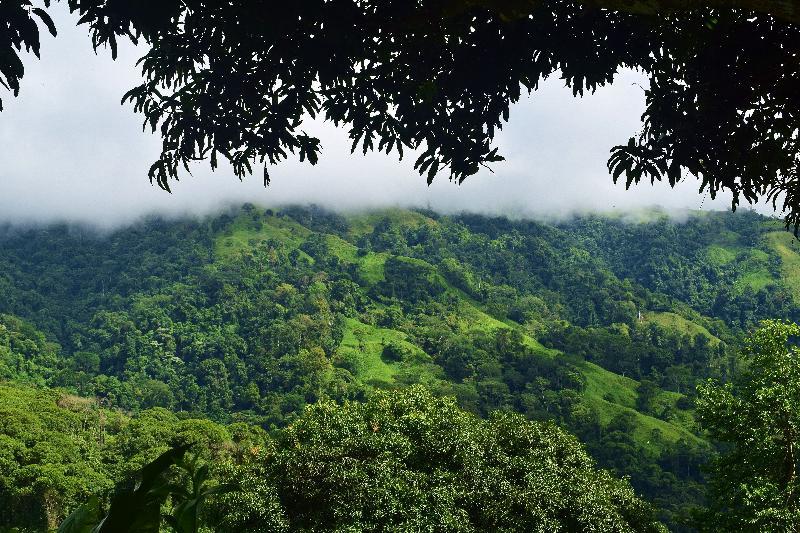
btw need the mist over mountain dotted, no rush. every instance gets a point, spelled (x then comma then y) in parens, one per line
(523, 347)
(71, 152)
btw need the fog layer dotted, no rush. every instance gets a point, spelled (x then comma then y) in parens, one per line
(71, 152)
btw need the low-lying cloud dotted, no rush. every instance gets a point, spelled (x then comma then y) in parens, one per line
(71, 152)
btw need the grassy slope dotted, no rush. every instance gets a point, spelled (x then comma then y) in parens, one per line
(721, 255)
(787, 248)
(607, 393)
(363, 223)
(611, 394)
(680, 324)
(237, 238)
(361, 350)
(752, 264)
(755, 271)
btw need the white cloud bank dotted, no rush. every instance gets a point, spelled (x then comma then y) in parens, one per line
(71, 152)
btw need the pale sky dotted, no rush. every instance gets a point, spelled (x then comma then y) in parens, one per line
(70, 151)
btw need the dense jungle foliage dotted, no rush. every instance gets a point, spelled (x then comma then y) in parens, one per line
(219, 332)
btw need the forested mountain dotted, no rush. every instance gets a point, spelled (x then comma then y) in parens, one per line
(224, 329)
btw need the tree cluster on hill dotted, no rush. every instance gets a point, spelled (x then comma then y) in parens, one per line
(249, 316)
(401, 460)
(754, 484)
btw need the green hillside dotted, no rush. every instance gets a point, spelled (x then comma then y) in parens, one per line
(244, 233)
(787, 248)
(677, 323)
(606, 393)
(601, 325)
(362, 344)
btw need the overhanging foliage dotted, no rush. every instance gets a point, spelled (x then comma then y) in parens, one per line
(238, 79)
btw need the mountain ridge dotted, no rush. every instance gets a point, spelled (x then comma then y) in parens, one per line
(598, 324)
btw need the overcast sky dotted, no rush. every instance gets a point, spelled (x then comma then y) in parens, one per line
(69, 150)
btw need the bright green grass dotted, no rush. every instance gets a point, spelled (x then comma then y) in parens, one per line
(721, 255)
(606, 392)
(756, 280)
(752, 262)
(787, 248)
(475, 319)
(680, 324)
(611, 394)
(371, 266)
(342, 249)
(754, 268)
(238, 237)
(604, 384)
(651, 433)
(472, 317)
(727, 238)
(682, 418)
(367, 363)
(363, 223)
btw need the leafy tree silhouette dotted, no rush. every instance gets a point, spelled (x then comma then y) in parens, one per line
(236, 80)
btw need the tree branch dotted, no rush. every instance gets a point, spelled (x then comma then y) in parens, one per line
(786, 10)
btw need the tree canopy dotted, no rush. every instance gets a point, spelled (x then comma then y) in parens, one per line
(399, 461)
(237, 79)
(754, 485)
(249, 316)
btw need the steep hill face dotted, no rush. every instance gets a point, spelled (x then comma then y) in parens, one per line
(736, 267)
(600, 324)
